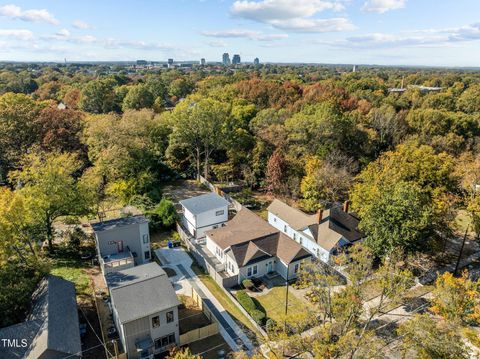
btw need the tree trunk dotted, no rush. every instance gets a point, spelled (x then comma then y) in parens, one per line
(205, 167)
(197, 159)
(49, 234)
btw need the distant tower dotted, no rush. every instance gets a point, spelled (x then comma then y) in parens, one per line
(236, 59)
(354, 68)
(256, 62)
(202, 62)
(170, 63)
(226, 59)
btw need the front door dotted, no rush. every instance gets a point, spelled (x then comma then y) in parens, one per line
(269, 267)
(120, 246)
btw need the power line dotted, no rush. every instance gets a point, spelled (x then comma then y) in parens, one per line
(94, 332)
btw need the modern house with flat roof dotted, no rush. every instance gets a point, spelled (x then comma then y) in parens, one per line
(51, 330)
(322, 234)
(122, 242)
(145, 310)
(249, 247)
(203, 213)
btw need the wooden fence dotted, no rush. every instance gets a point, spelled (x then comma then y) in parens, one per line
(235, 204)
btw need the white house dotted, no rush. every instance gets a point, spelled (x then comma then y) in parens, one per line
(321, 233)
(202, 213)
(122, 243)
(249, 247)
(145, 310)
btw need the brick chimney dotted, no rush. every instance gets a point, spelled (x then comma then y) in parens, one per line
(319, 215)
(346, 206)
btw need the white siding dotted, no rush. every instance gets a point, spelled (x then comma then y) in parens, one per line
(300, 237)
(197, 225)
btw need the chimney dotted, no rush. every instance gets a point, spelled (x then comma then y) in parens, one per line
(319, 215)
(346, 206)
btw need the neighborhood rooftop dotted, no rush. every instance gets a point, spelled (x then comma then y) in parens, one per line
(141, 291)
(52, 324)
(203, 203)
(118, 222)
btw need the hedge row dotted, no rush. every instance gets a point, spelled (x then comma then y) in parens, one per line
(247, 302)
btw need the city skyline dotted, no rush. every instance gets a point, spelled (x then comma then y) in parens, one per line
(383, 32)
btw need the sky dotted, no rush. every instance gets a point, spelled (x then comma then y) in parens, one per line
(384, 32)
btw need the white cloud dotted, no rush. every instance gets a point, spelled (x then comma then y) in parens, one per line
(293, 15)
(248, 34)
(382, 6)
(79, 24)
(219, 43)
(32, 15)
(21, 34)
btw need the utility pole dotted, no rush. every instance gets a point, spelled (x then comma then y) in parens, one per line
(461, 251)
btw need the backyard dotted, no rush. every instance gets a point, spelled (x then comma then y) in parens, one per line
(273, 303)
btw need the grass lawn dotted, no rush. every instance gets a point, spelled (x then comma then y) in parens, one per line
(274, 304)
(73, 270)
(225, 301)
(160, 238)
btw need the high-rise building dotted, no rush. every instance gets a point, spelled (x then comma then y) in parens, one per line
(256, 62)
(226, 59)
(202, 62)
(236, 59)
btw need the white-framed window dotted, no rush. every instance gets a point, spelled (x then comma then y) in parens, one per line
(249, 271)
(145, 238)
(170, 317)
(255, 269)
(220, 213)
(164, 341)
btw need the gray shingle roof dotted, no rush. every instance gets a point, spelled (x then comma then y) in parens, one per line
(203, 203)
(118, 222)
(52, 324)
(141, 291)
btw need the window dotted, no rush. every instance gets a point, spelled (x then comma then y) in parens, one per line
(296, 267)
(301, 240)
(147, 255)
(249, 271)
(145, 238)
(285, 228)
(274, 219)
(170, 317)
(155, 321)
(220, 213)
(255, 271)
(294, 236)
(164, 341)
(318, 252)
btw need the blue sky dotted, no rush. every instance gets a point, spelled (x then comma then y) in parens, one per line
(391, 32)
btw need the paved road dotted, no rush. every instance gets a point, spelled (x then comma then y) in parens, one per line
(179, 260)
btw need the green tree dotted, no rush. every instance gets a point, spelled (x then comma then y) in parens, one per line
(98, 96)
(49, 188)
(138, 97)
(163, 215)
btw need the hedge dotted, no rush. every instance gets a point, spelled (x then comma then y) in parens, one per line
(247, 302)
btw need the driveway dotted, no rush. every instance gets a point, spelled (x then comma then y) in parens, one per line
(185, 279)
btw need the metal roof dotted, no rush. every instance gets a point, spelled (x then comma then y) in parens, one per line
(204, 203)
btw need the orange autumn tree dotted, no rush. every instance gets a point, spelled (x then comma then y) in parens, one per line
(457, 299)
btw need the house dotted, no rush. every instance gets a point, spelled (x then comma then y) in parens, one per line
(321, 233)
(249, 247)
(202, 213)
(51, 330)
(122, 243)
(145, 310)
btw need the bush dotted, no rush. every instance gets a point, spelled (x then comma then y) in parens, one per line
(258, 316)
(271, 325)
(247, 302)
(163, 215)
(247, 283)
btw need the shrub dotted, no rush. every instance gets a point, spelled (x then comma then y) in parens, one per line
(163, 215)
(258, 316)
(271, 325)
(247, 283)
(247, 302)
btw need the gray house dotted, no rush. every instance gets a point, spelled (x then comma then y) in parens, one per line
(122, 243)
(145, 310)
(51, 330)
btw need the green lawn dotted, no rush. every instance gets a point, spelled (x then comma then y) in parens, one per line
(225, 301)
(73, 270)
(274, 304)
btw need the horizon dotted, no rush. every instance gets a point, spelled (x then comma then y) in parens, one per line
(394, 33)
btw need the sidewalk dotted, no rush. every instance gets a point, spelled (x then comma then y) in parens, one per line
(179, 260)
